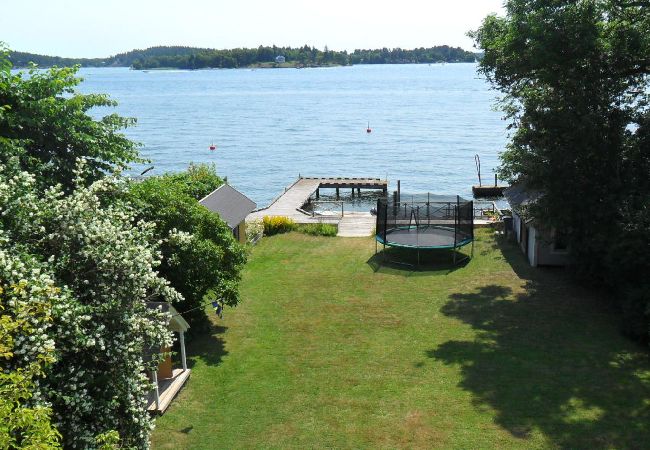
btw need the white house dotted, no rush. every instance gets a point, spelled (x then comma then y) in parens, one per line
(280, 59)
(542, 246)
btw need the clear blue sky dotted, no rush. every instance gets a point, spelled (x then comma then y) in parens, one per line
(93, 28)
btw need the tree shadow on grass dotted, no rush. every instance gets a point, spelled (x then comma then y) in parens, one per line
(208, 347)
(406, 262)
(550, 358)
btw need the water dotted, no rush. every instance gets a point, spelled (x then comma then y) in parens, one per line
(270, 125)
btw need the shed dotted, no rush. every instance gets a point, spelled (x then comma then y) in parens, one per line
(167, 380)
(280, 59)
(232, 206)
(543, 246)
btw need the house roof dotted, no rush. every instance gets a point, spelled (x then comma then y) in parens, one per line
(176, 323)
(231, 205)
(519, 197)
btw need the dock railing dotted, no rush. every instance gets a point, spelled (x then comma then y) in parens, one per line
(327, 208)
(485, 210)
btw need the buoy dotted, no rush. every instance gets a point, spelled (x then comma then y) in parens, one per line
(368, 130)
(213, 147)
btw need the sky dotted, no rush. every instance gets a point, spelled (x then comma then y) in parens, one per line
(100, 28)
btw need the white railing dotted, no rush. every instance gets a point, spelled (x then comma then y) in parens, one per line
(322, 208)
(253, 239)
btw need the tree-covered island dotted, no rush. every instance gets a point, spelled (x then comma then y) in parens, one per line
(263, 56)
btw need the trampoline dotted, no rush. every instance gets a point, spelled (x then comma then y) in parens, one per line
(425, 222)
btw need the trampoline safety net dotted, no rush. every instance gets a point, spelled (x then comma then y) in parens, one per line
(424, 223)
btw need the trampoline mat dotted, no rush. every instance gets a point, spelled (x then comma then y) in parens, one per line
(423, 237)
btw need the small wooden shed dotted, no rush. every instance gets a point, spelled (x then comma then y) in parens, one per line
(232, 206)
(169, 380)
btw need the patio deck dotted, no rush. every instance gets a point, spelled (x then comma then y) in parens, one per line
(167, 388)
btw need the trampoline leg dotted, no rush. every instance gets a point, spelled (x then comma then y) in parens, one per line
(454, 250)
(472, 248)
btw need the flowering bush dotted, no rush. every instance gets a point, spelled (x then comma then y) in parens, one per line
(99, 327)
(254, 230)
(26, 349)
(79, 262)
(277, 224)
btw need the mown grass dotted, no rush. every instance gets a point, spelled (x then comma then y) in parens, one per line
(331, 349)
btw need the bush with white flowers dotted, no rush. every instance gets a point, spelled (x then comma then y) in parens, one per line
(79, 262)
(27, 294)
(102, 264)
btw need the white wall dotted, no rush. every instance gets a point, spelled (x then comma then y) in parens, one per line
(546, 253)
(539, 246)
(532, 246)
(516, 222)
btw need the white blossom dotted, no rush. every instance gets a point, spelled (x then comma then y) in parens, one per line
(94, 320)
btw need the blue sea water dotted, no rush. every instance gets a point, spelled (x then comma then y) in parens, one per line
(269, 125)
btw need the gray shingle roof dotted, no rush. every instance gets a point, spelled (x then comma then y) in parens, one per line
(518, 195)
(520, 198)
(231, 205)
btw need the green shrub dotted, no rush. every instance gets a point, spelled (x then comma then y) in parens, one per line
(201, 258)
(319, 229)
(277, 224)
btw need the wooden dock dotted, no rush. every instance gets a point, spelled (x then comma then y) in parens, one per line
(488, 191)
(350, 223)
(351, 183)
(290, 202)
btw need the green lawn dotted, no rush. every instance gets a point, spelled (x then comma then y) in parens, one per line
(329, 350)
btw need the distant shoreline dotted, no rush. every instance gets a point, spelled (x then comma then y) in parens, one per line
(191, 58)
(258, 66)
(290, 65)
(276, 66)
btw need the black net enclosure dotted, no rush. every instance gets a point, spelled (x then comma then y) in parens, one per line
(425, 222)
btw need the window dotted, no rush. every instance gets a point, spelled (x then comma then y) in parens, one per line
(560, 241)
